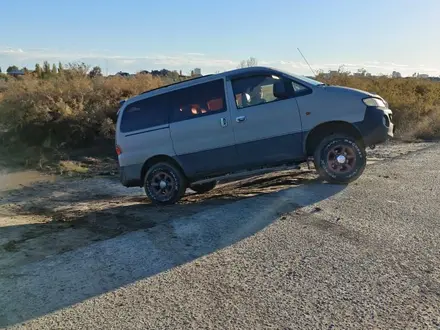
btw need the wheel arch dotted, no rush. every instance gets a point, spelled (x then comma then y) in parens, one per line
(315, 136)
(159, 159)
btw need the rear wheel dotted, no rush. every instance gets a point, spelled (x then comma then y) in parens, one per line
(204, 187)
(164, 184)
(340, 159)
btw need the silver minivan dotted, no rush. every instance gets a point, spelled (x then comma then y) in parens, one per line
(244, 122)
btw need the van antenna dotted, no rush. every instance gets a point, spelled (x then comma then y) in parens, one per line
(307, 62)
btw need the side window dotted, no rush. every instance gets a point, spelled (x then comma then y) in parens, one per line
(144, 114)
(258, 89)
(197, 101)
(299, 89)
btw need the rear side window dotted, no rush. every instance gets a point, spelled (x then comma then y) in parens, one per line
(145, 114)
(197, 101)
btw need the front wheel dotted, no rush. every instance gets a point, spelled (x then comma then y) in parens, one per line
(340, 159)
(164, 184)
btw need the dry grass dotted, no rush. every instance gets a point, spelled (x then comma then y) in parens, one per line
(67, 110)
(70, 167)
(44, 118)
(42, 121)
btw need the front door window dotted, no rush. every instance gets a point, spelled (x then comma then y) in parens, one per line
(255, 90)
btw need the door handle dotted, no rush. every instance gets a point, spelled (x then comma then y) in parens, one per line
(223, 122)
(240, 119)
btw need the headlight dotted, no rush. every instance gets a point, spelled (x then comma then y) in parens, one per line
(374, 102)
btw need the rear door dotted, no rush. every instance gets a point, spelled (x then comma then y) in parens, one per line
(143, 131)
(267, 127)
(200, 128)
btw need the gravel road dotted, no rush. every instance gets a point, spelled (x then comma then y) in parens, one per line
(315, 256)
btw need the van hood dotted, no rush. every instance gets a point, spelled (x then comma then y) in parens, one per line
(348, 90)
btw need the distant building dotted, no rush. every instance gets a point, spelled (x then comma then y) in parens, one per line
(197, 72)
(122, 74)
(16, 73)
(330, 74)
(423, 76)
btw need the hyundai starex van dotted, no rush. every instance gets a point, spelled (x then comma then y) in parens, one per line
(240, 123)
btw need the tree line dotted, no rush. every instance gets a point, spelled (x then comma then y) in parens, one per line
(47, 70)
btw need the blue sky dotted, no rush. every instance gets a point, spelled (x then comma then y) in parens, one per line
(131, 35)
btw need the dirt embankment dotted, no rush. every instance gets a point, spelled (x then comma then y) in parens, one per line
(43, 215)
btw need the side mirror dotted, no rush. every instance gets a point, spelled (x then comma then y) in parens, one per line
(279, 90)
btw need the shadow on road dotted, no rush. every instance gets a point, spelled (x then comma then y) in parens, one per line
(170, 237)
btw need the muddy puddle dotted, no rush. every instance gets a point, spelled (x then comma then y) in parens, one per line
(16, 180)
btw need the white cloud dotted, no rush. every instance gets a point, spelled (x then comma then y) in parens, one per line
(396, 64)
(187, 61)
(10, 50)
(195, 54)
(128, 61)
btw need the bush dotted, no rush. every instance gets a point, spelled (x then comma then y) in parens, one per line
(70, 109)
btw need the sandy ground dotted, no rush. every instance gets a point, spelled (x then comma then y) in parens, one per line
(42, 215)
(313, 256)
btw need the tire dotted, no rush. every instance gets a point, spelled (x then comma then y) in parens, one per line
(166, 193)
(204, 187)
(333, 170)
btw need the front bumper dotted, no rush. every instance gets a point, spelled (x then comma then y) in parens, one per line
(377, 126)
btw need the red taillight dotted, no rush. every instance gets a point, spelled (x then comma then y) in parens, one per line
(118, 150)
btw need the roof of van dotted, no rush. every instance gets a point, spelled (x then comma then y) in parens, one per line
(197, 80)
